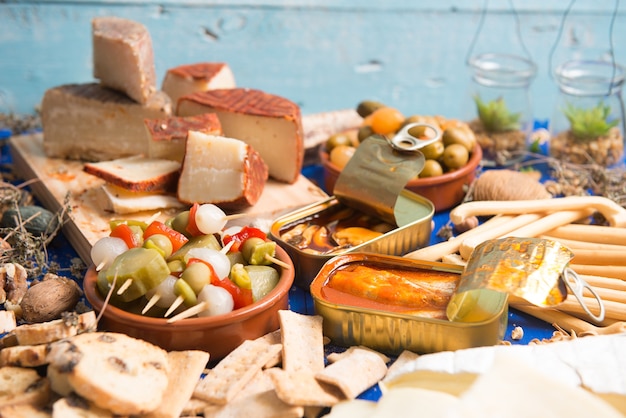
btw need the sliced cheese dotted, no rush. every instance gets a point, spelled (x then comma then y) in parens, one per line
(117, 200)
(123, 58)
(167, 137)
(138, 173)
(220, 170)
(271, 124)
(92, 123)
(192, 78)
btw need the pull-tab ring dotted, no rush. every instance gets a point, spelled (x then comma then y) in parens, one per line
(411, 137)
(577, 285)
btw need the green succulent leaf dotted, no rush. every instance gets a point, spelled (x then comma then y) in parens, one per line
(588, 124)
(495, 115)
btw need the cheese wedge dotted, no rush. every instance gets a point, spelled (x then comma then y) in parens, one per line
(123, 58)
(220, 170)
(137, 173)
(271, 124)
(92, 123)
(192, 78)
(117, 200)
(167, 137)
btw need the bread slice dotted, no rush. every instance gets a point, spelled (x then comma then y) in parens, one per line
(125, 375)
(46, 332)
(220, 170)
(186, 368)
(271, 124)
(192, 78)
(24, 355)
(167, 136)
(138, 173)
(123, 58)
(24, 411)
(19, 386)
(74, 406)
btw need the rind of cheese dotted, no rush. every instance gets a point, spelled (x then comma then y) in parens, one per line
(220, 170)
(117, 200)
(192, 78)
(92, 123)
(138, 173)
(271, 124)
(167, 137)
(123, 58)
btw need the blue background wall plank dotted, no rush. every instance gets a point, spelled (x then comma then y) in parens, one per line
(322, 54)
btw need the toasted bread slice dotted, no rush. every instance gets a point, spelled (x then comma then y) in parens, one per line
(46, 332)
(24, 356)
(19, 386)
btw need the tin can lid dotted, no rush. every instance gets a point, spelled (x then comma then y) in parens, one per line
(375, 176)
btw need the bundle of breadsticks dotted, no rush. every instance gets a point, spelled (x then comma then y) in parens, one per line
(599, 250)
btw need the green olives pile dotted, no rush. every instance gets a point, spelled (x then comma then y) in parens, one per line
(451, 153)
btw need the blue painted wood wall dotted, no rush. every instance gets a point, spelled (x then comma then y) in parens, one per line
(322, 54)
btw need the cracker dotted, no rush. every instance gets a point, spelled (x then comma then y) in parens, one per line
(355, 372)
(234, 371)
(334, 357)
(403, 359)
(303, 342)
(264, 404)
(272, 338)
(185, 370)
(301, 388)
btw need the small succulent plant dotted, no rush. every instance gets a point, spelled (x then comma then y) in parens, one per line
(588, 124)
(496, 116)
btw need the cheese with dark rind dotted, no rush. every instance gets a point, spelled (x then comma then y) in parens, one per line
(271, 124)
(191, 78)
(93, 123)
(137, 173)
(220, 170)
(167, 137)
(123, 58)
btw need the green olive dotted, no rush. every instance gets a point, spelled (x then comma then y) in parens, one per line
(432, 168)
(336, 140)
(180, 222)
(366, 107)
(161, 243)
(433, 151)
(182, 288)
(458, 135)
(197, 275)
(455, 156)
(176, 266)
(364, 132)
(249, 245)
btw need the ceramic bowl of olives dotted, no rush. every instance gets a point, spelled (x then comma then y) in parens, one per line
(450, 166)
(216, 334)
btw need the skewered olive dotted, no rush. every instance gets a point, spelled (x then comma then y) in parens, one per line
(197, 275)
(160, 243)
(180, 222)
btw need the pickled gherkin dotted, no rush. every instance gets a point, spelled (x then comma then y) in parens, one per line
(256, 251)
(146, 268)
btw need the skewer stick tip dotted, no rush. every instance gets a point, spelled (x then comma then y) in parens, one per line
(177, 302)
(194, 310)
(277, 261)
(124, 287)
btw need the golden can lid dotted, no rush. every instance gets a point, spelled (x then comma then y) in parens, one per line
(375, 176)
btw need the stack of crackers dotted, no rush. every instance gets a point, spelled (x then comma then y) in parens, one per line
(78, 371)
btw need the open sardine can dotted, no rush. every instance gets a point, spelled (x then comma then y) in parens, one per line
(371, 210)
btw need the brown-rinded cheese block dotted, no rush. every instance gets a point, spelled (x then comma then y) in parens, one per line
(93, 123)
(123, 58)
(137, 173)
(220, 170)
(167, 137)
(271, 124)
(191, 78)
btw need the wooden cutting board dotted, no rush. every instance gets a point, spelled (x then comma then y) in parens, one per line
(55, 180)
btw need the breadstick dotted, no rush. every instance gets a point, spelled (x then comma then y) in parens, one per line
(573, 244)
(613, 309)
(615, 272)
(591, 233)
(600, 257)
(554, 316)
(605, 282)
(549, 222)
(436, 251)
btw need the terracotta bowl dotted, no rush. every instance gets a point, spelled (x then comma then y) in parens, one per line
(218, 335)
(445, 191)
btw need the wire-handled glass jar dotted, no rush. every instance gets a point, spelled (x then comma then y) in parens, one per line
(587, 126)
(502, 117)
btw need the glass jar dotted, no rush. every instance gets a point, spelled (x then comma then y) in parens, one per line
(587, 126)
(501, 115)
